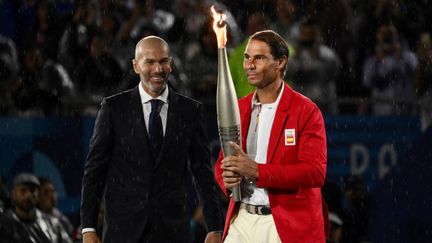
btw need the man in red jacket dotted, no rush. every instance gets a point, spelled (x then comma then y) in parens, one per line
(281, 165)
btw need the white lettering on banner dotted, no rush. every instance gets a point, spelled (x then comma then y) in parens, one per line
(358, 151)
(386, 150)
(360, 159)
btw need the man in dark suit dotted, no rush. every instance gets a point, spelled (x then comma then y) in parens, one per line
(144, 142)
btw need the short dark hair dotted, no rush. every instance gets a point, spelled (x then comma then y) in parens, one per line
(278, 46)
(45, 180)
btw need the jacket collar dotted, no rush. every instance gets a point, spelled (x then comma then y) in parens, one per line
(282, 112)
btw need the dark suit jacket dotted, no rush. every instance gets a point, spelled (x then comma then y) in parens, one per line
(145, 198)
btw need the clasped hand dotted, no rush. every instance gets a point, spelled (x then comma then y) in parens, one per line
(236, 167)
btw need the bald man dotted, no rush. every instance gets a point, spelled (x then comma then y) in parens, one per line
(144, 143)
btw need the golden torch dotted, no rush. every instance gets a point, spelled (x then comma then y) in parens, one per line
(228, 114)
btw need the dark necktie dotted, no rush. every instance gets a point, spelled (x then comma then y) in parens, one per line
(155, 127)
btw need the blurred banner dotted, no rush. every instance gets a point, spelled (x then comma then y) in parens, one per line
(368, 146)
(57, 147)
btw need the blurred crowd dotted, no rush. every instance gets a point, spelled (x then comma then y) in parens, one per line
(29, 212)
(59, 58)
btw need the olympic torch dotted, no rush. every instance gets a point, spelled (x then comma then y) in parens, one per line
(228, 114)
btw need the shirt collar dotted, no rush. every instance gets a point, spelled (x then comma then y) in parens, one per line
(145, 97)
(255, 102)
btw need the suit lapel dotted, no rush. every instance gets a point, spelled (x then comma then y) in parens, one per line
(245, 118)
(279, 121)
(138, 131)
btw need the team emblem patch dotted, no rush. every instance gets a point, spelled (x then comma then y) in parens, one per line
(289, 137)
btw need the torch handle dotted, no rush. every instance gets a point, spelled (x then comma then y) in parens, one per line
(236, 193)
(226, 135)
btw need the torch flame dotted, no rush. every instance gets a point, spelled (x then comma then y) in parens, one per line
(219, 27)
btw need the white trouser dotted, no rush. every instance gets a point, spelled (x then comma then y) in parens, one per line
(252, 228)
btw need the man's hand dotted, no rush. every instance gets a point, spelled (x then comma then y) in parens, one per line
(230, 179)
(213, 237)
(91, 237)
(236, 166)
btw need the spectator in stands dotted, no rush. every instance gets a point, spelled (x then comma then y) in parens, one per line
(75, 41)
(9, 68)
(255, 21)
(203, 74)
(48, 29)
(424, 79)
(389, 74)
(45, 87)
(335, 19)
(24, 222)
(357, 217)
(314, 67)
(98, 75)
(284, 21)
(129, 33)
(48, 201)
(403, 14)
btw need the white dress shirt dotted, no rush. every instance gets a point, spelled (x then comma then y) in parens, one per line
(264, 114)
(145, 101)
